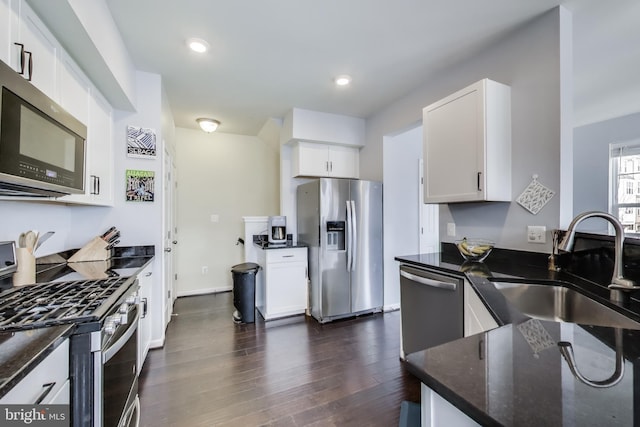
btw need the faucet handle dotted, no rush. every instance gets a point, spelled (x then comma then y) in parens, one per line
(555, 238)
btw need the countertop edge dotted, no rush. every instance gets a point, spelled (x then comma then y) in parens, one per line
(47, 348)
(478, 415)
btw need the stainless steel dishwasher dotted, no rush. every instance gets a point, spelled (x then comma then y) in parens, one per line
(431, 308)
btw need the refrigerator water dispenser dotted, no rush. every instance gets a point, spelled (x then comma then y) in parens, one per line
(335, 235)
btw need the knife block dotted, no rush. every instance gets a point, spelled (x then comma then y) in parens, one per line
(95, 250)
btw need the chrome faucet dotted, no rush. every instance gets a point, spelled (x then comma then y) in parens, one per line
(619, 284)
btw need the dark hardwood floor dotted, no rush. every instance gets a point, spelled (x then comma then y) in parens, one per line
(286, 372)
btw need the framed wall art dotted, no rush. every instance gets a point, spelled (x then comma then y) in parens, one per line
(140, 185)
(141, 142)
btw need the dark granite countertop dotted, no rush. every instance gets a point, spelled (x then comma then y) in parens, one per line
(21, 351)
(126, 262)
(515, 375)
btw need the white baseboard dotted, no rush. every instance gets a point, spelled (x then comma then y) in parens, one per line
(204, 291)
(391, 307)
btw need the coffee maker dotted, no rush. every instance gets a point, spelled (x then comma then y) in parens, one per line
(277, 230)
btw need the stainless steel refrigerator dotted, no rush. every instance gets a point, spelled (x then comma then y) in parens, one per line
(341, 222)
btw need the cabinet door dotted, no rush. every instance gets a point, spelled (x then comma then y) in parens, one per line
(100, 144)
(343, 161)
(144, 326)
(99, 158)
(477, 318)
(74, 89)
(454, 162)
(42, 50)
(6, 24)
(467, 145)
(312, 159)
(286, 288)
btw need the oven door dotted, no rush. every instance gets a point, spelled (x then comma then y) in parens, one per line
(119, 373)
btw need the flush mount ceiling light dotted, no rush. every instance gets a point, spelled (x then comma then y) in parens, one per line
(208, 125)
(343, 80)
(198, 45)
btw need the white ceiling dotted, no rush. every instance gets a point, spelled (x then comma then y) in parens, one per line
(267, 57)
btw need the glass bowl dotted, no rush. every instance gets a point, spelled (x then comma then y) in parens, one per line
(474, 249)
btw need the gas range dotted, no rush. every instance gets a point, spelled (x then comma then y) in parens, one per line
(60, 302)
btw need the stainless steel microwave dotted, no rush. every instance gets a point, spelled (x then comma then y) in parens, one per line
(42, 146)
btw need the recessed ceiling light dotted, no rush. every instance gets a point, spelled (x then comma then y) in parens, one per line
(198, 45)
(208, 125)
(343, 80)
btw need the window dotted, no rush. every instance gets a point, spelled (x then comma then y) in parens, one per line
(624, 184)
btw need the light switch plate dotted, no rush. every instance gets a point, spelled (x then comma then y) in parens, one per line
(451, 229)
(536, 234)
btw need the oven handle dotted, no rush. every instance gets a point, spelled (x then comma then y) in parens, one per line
(110, 351)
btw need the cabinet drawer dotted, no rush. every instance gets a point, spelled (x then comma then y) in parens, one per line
(286, 255)
(54, 369)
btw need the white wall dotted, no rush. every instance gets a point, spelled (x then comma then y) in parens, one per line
(227, 175)
(401, 207)
(591, 164)
(533, 60)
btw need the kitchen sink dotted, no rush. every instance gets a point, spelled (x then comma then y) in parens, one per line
(559, 303)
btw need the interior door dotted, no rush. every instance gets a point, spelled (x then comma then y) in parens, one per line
(170, 235)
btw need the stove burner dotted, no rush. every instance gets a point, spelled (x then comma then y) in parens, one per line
(55, 303)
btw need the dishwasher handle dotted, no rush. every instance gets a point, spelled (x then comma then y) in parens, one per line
(449, 286)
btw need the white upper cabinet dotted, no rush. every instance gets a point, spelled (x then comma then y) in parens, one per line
(33, 50)
(100, 145)
(74, 89)
(55, 73)
(6, 19)
(325, 160)
(467, 145)
(99, 157)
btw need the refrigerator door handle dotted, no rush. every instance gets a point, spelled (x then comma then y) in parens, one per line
(354, 235)
(349, 237)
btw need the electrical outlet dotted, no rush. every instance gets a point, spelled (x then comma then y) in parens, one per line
(215, 218)
(536, 234)
(205, 270)
(451, 229)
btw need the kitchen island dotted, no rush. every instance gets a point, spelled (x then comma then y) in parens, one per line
(515, 375)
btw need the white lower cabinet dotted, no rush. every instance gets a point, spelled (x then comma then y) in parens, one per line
(281, 284)
(476, 316)
(47, 383)
(435, 411)
(144, 326)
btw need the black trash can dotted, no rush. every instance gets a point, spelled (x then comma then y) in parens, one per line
(244, 291)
